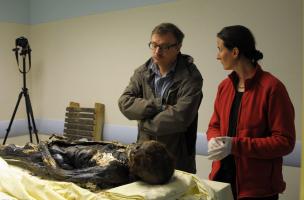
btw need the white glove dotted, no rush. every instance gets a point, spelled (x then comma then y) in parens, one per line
(213, 144)
(219, 148)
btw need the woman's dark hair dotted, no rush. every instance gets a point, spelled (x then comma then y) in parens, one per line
(240, 37)
(152, 163)
(165, 28)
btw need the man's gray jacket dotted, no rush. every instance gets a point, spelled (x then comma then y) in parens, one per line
(176, 125)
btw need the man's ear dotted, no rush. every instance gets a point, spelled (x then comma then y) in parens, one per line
(178, 47)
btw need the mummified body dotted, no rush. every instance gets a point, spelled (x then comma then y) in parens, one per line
(94, 165)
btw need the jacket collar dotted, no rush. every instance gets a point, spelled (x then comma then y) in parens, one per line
(249, 83)
(179, 73)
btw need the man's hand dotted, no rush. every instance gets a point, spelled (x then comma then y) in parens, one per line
(219, 148)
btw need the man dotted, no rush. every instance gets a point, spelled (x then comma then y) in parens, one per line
(164, 96)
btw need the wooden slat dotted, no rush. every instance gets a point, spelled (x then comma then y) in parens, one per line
(74, 104)
(79, 115)
(80, 121)
(73, 109)
(79, 126)
(99, 117)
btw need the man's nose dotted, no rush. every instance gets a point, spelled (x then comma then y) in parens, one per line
(158, 50)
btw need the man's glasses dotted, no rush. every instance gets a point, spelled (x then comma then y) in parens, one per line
(164, 47)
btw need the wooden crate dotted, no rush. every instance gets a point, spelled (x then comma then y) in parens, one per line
(84, 122)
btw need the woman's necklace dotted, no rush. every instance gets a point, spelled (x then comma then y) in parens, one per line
(241, 88)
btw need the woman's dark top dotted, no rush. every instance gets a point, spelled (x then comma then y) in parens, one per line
(227, 171)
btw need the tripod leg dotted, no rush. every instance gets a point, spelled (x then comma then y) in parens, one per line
(28, 116)
(30, 112)
(12, 118)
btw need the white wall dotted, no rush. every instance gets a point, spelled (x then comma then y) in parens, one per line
(10, 77)
(91, 58)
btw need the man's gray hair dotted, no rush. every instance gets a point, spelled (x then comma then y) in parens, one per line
(165, 28)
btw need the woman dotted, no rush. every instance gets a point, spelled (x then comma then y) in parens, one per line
(252, 126)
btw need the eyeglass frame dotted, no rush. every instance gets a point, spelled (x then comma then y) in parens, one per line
(162, 47)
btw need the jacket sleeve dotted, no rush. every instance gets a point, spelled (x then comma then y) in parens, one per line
(281, 123)
(132, 104)
(178, 117)
(214, 124)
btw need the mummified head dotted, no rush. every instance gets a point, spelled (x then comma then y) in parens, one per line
(151, 162)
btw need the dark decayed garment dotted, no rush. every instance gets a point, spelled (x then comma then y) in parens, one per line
(92, 165)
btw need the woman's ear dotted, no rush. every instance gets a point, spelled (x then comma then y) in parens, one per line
(235, 52)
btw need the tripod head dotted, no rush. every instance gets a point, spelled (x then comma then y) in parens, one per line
(22, 45)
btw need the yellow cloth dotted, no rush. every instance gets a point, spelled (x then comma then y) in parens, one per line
(182, 186)
(16, 184)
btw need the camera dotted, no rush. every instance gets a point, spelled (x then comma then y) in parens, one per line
(22, 48)
(22, 42)
(25, 47)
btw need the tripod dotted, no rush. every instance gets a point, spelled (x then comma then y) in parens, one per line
(29, 110)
